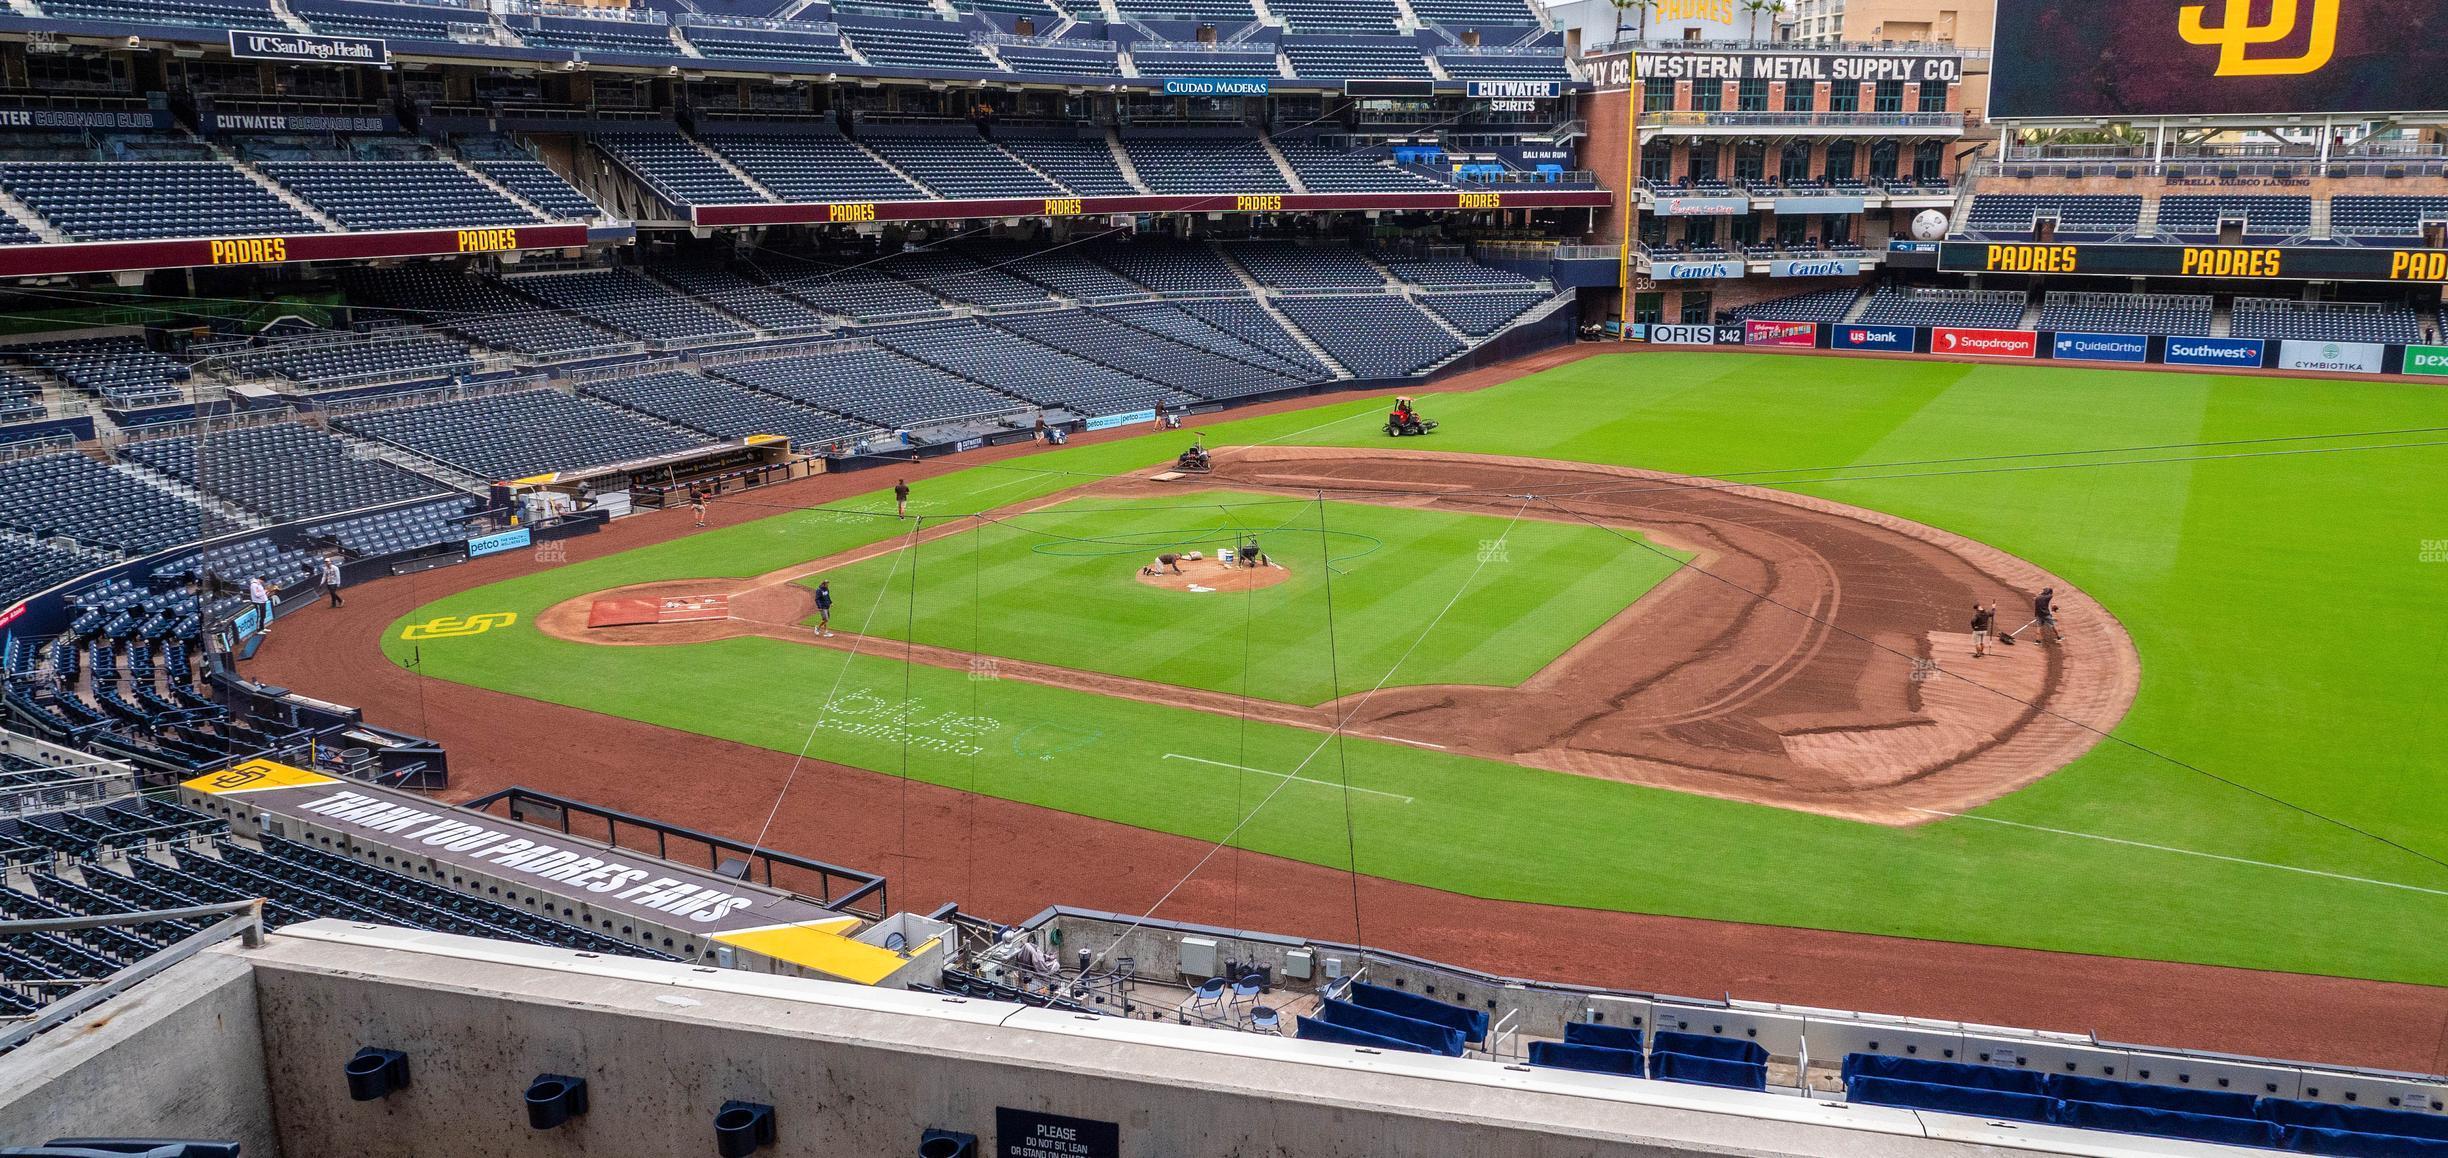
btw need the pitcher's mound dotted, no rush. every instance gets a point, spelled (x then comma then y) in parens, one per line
(1204, 576)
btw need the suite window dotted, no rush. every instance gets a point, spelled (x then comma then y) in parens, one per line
(1889, 97)
(1801, 96)
(1752, 97)
(1844, 98)
(1793, 162)
(1933, 97)
(1657, 94)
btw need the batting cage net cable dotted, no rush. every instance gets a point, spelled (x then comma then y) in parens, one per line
(1341, 722)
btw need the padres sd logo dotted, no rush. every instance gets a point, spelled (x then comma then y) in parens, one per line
(2239, 35)
(453, 627)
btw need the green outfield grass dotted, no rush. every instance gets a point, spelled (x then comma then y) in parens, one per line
(2293, 641)
(1057, 586)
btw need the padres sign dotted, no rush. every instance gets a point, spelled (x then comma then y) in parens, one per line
(2105, 59)
(454, 627)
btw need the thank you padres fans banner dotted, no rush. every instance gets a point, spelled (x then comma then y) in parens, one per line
(2145, 58)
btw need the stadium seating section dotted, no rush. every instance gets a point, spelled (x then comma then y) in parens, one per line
(71, 496)
(2264, 219)
(398, 194)
(2016, 215)
(1823, 306)
(1981, 309)
(1084, 165)
(2228, 1117)
(138, 200)
(676, 168)
(1373, 337)
(281, 472)
(720, 410)
(2325, 321)
(630, 303)
(2382, 218)
(2102, 313)
(513, 435)
(194, 860)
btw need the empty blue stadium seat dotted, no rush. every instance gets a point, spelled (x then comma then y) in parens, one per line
(1587, 1058)
(1622, 1037)
(1426, 1035)
(137, 200)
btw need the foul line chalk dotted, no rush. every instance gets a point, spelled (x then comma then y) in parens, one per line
(2189, 852)
(1285, 775)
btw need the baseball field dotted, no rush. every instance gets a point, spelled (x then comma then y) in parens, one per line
(1660, 633)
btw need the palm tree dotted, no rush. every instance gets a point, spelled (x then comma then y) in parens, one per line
(1643, 7)
(1763, 8)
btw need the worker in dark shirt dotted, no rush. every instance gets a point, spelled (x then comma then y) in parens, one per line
(1984, 617)
(901, 498)
(2044, 613)
(824, 608)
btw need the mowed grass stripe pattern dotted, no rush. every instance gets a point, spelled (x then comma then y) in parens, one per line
(1057, 586)
(2292, 640)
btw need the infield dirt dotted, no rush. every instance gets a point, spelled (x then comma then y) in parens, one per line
(1813, 656)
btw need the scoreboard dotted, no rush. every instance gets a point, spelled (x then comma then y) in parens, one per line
(2245, 262)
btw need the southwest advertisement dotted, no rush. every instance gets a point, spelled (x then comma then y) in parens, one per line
(2151, 58)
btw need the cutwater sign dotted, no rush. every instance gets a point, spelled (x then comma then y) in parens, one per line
(2100, 348)
(1216, 86)
(483, 545)
(299, 48)
(1517, 90)
(2233, 353)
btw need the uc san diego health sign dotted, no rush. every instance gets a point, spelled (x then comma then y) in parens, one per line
(300, 48)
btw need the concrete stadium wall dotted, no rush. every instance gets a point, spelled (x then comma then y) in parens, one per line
(180, 1056)
(855, 1071)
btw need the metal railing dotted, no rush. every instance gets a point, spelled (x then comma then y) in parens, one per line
(528, 806)
(756, 23)
(1689, 118)
(241, 919)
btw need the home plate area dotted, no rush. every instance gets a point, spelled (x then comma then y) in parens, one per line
(1209, 575)
(680, 609)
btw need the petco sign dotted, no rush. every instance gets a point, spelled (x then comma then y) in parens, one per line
(1797, 334)
(1683, 335)
(1896, 338)
(1985, 343)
